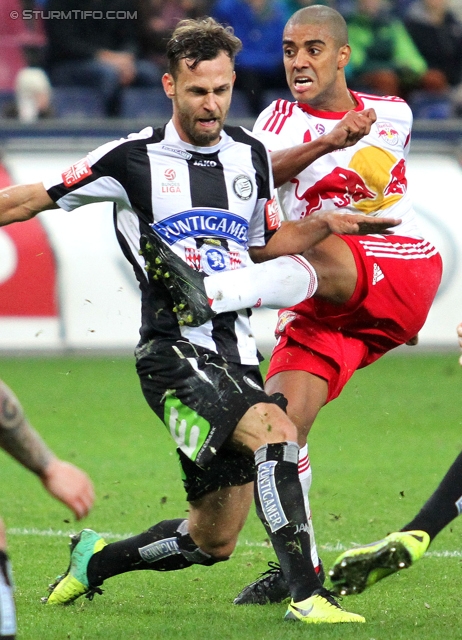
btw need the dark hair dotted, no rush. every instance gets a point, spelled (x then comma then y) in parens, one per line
(201, 39)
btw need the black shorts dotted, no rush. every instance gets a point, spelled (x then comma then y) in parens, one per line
(200, 397)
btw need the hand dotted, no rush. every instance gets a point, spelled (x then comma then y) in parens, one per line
(357, 224)
(459, 335)
(352, 127)
(123, 61)
(70, 485)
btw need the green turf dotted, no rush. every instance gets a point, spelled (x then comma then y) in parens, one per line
(377, 453)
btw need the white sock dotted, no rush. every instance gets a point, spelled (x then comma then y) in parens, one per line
(305, 475)
(279, 283)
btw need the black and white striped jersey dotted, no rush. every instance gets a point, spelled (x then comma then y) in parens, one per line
(187, 194)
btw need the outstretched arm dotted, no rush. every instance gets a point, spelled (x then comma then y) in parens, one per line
(62, 480)
(296, 236)
(23, 202)
(288, 163)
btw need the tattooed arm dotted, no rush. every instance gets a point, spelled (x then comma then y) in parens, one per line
(62, 480)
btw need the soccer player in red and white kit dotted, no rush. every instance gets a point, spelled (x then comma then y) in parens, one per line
(333, 149)
(389, 282)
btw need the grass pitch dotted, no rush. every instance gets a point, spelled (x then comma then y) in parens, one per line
(377, 453)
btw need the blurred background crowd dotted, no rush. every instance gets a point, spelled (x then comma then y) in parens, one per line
(105, 58)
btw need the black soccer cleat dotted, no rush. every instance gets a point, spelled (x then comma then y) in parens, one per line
(185, 285)
(271, 587)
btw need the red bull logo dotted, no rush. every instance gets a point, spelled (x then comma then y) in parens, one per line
(387, 133)
(343, 187)
(374, 180)
(398, 180)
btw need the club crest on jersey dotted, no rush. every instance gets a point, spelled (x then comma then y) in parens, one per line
(320, 128)
(210, 260)
(387, 133)
(76, 173)
(215, 260)
(242, 186)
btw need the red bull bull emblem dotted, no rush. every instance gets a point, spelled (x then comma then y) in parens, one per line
(387, 133)
(344, 187)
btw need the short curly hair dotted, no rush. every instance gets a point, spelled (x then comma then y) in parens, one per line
(198, 40)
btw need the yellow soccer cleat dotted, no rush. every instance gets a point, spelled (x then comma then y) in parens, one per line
(320, 608)
(361, 567)
(74, 583)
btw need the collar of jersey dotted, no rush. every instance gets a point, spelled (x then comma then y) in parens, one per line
(172, 137)
(332, 115)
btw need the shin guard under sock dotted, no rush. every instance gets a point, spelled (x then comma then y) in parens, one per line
(167, 546)
(444, 504)
(279, 283)
(279, 502)
(7, 608)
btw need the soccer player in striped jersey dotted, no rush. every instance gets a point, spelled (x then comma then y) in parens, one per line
(204, 190)
(332, 149)
(357, 569)
(62, 480)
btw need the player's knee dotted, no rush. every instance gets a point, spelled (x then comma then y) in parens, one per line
(208, 551)
(272, 424)
(220, 550)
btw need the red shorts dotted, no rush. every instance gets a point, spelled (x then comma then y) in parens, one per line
(398, 278)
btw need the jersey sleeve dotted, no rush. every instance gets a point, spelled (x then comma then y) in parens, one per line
(408, 125)
(265, 220)
(101, 176)
(270, 122)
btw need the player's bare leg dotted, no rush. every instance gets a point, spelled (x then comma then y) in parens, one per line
(306, 394)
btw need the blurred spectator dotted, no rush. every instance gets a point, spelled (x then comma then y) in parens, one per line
(32, 98)
(456, 8)
(437, 32)
(156, 21)
(35, 46)
(259, 24)
(92, 49)
(384, 58)
(295, 5)
(17, 38)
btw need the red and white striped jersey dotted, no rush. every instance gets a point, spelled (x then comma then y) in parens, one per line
(369, 177)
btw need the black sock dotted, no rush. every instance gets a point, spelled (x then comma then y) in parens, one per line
(139, 553)
(443, 506)
(280, 506)
(7, 608)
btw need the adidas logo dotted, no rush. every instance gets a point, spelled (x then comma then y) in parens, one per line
(378, 274)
